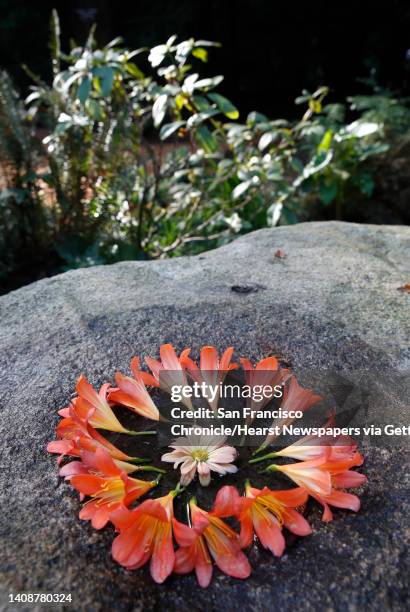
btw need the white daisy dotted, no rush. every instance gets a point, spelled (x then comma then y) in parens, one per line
(203, 454)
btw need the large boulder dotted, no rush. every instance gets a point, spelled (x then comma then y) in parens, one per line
(331, 304)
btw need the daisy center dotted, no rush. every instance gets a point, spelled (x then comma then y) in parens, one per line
(200, 455)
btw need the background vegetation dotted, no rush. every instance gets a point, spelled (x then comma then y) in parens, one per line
(120, 154)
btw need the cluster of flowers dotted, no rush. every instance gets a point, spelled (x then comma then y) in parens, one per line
(147, 531)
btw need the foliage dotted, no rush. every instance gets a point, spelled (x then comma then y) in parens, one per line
(137, 165)
(21, 213)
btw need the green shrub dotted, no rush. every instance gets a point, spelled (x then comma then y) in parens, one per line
(136, 165)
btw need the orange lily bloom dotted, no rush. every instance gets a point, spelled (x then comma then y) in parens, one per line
(77, 435)
(324, 476)
(169, 371)
(307, 474)
(147, 378)
(133, 394)
(109, 487)
(195, 557)
(146, 533)
(341, 478)
(95, 408)
(266, 512)
(295, 397)
(311, 447)
(211, 370)
(314, 446)
(213, 538)
(265, 373)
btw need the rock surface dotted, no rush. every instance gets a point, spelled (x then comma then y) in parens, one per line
(333, 301)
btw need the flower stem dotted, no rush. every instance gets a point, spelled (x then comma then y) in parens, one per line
(260, 449)
(140, 433)
(271, 468)
(158, 478)
(138, 460)
(263, 458)
(149, 468)
(178, 489)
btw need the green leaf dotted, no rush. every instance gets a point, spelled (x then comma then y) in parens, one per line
(240, 189)
(157, 55)
(115, 42)
(200, 53)
(206, 139)
(255, 117)
(134, 71)
(224, 105)
(170, 128)
(297, 164)
(95, 110)
(84, 89)
(199, 118)
(265, 140)
(326, 141)
(159, 109)
(106, 75)
(274, 213)
(201, 103)
(206, 43)
(208, 83)
(70, 80)
(315, 106)
(180, 101)
(328, 192)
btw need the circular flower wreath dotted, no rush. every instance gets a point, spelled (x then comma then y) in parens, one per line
(147, 531)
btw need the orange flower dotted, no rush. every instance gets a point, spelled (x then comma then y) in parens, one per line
(295, 398)
(341, 478)
(146, 533)
(307, 474)
(266, 512)
(109, 487)
(195, 557)
(169, 371)
(211, 371)
(324, 476)
(265, 373)
(314, 446)
(94, 407)
(133, 394)
(147, 378)
(77, 435)
(213, 538)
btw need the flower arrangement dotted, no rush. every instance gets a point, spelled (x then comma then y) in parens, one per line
(321, 469)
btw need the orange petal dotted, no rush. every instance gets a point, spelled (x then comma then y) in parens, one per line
(100, 461)
(184, 535)
(163, 556)
(296, 523)
(203, 565)
(270, 363)
(246, 535)
(169, 357)
(185, 559)
(87, 483)
(226, 502)
(209, 359)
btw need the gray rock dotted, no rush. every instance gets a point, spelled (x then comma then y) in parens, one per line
(332, 304)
